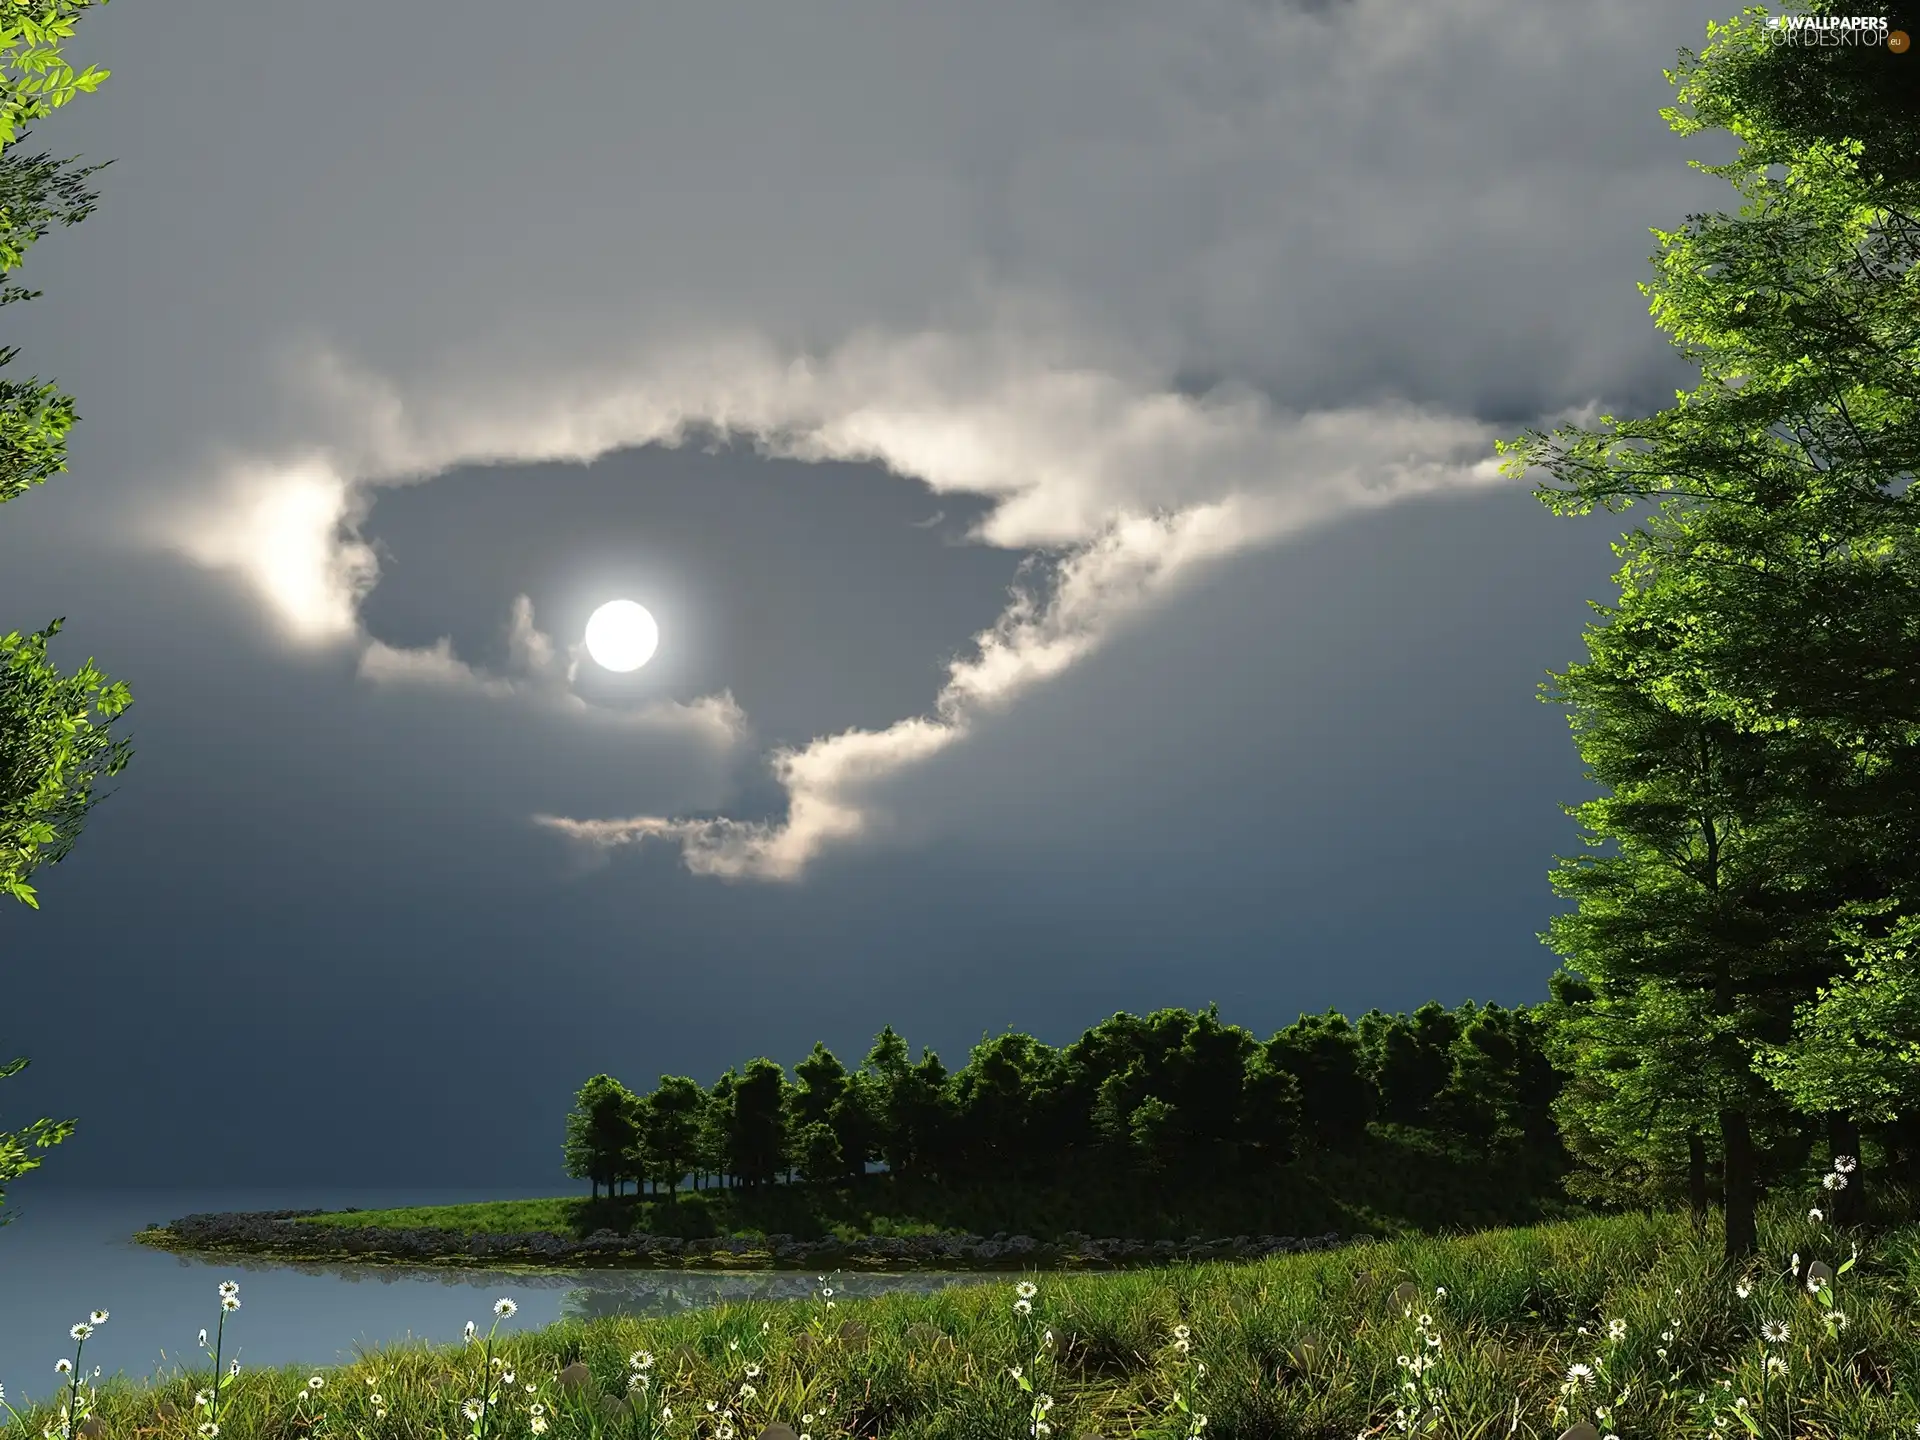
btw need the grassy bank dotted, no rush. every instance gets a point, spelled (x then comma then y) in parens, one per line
(1395, 1182)
(1503, 1333)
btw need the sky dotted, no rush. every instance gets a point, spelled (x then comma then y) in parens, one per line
(1055, 439)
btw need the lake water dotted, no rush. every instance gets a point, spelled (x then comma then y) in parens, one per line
(68, 1252)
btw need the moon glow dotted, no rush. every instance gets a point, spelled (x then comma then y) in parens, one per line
(621, 636)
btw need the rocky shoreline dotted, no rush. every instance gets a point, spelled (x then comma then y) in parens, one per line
(274, 1233)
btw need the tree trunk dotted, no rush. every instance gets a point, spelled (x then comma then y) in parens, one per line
(1848, 1206)
(1736, 1143)
(1697, 1199)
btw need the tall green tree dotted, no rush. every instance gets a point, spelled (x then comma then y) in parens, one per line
(1001, 1097)
(602, 1133)
(670, 1130)
(716, 1126)
(1409, 1060)
(1322, 1052)
(757, 1134)
(1770, 606)
(56, 741)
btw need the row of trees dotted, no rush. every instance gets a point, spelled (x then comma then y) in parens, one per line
(1137, 1096)
(1743, 951)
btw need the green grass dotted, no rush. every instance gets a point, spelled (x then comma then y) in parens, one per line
(1395, 1182)
(1295, 1346)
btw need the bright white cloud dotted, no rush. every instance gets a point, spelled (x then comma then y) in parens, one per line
(1132, 489)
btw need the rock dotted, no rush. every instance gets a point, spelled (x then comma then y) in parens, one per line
(167, 1410)
(93, 1427)
(853, 1335)
(614, 1407)
(1305, 1351)
(1819, 1273)
(935, 1341)
(778, 1430)
(1405, 1296)
(1580, 1431)
(574, 1377)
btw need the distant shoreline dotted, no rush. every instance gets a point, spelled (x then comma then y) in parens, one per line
(273, 1234)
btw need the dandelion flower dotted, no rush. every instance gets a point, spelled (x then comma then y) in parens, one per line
(81, 1331)
(1816, 1214)
(205, 1397)
(229, 1289)
(828, 1291)
(1777, 1364)
(747, 1392)
(470, 1329)
(536, 1408)
(377, 1399)
(641, 1359)
(1837, 1319)
(1023, 1307)
(507, 1378)
(723, 1431)
(753, 1372)
(538, 1424)
(666, 1414)
(1026, 1289)
(1441, 1291)
(1775, 1332)
(63, 1366)
(1616, 1329)
(1014, 1371)
(209, 1429)
(471, 1409)
(98, 1317)
(1579, 1373)
(229, 1303)
(1181, 1332)
(233, 1368)
(504, 1307)
(1743, 1289)
(203, 1337)
(1835, 1181)
(1844, 1164)
(1424, 1321)
(314, 1382)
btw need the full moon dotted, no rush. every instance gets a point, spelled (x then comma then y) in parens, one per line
(621, 635)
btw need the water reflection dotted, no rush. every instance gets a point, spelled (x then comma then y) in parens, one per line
(594, 1294)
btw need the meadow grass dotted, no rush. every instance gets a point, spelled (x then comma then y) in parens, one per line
(1629, 1323)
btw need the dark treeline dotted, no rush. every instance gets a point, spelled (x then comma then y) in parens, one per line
(1173, 1092)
